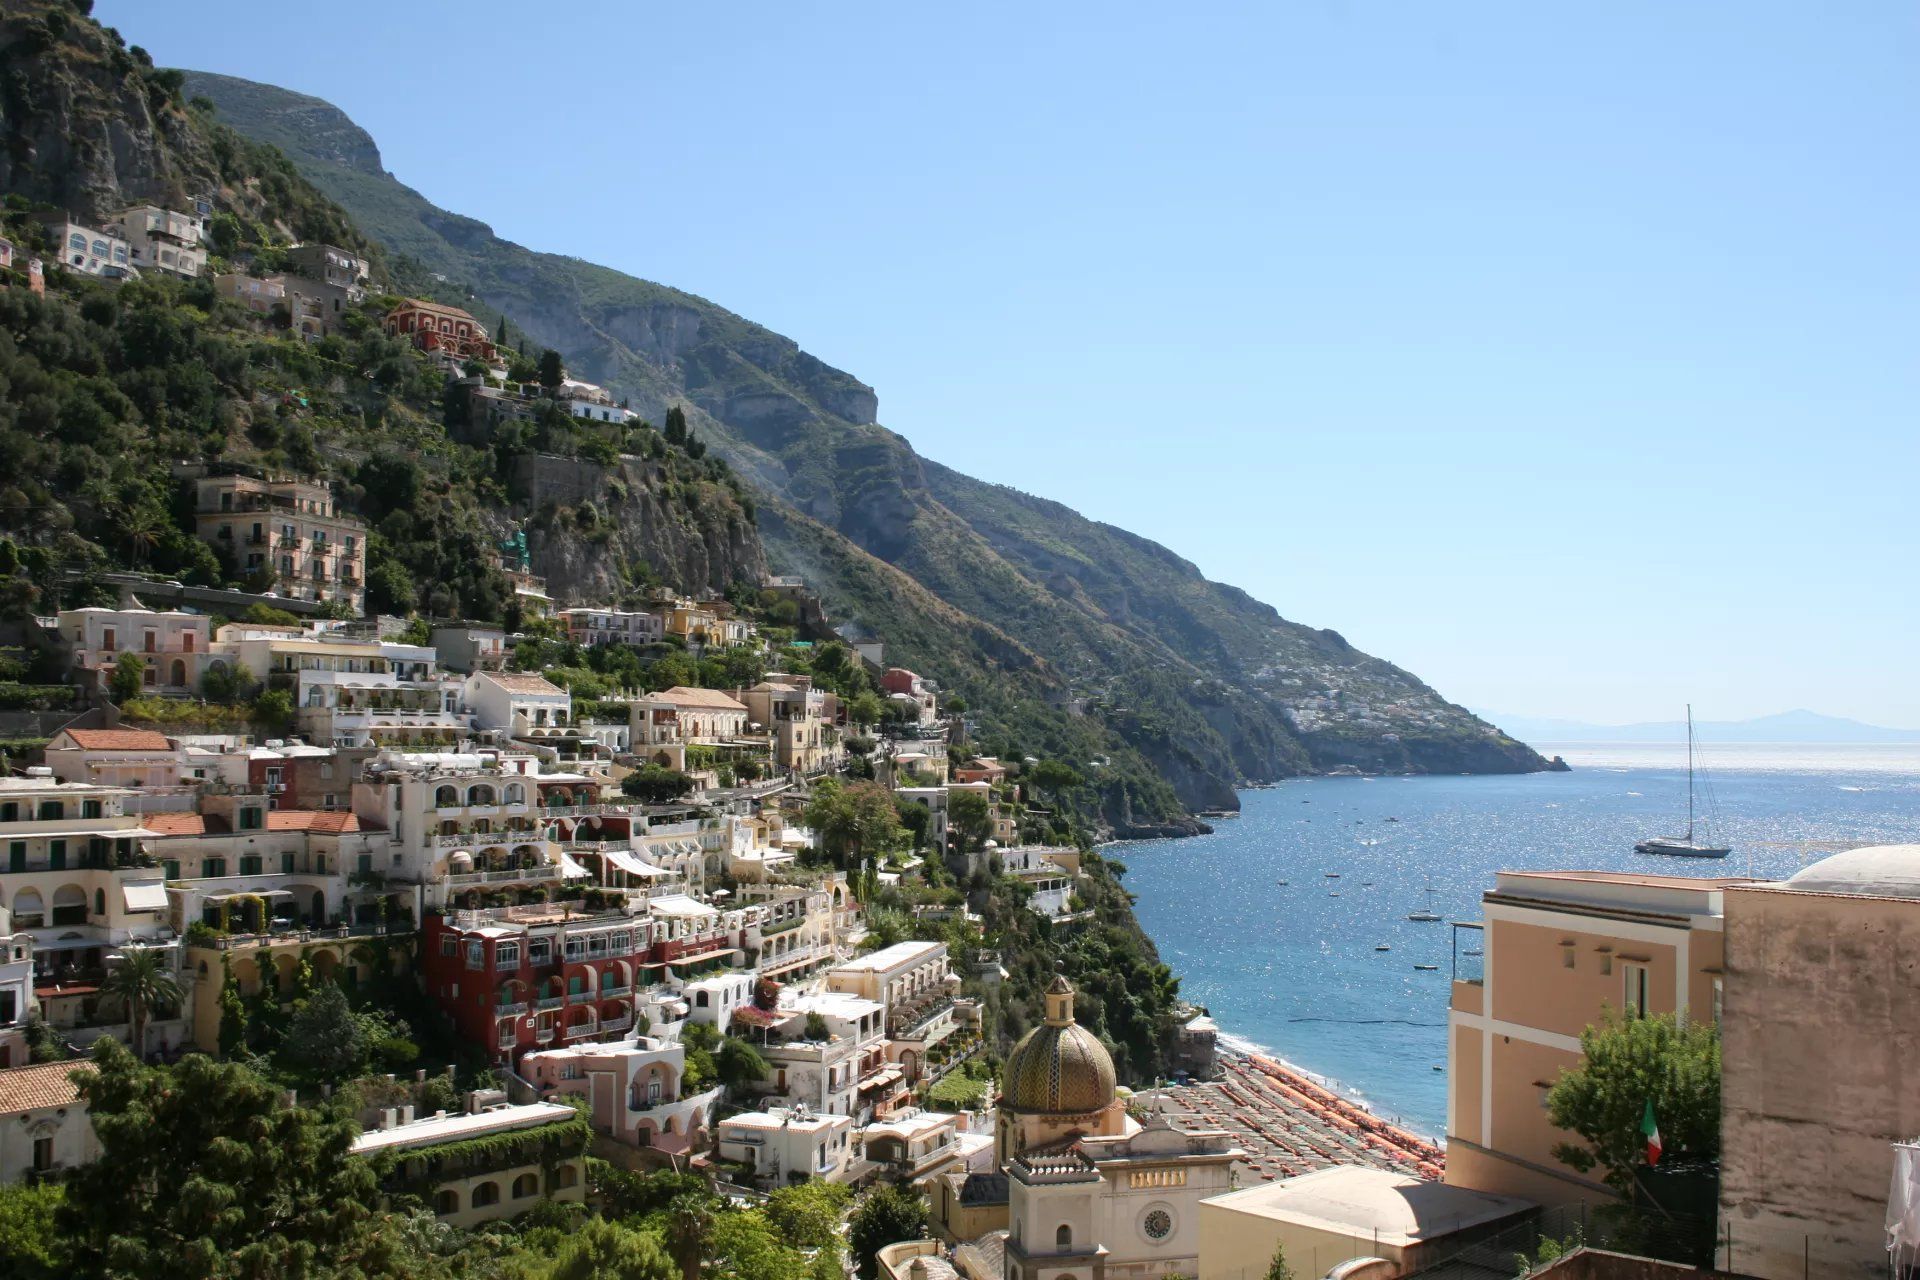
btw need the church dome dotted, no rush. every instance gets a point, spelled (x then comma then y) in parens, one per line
(1877, 871)
(1059, 1067)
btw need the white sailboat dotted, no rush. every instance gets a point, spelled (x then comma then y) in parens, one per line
(1686, 846)
(1426, 914)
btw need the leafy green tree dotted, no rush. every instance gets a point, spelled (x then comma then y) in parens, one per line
(140, 985)
(30, 1241)
(809, 1214)
(1054, 775)
(274, 711)
(553, 371)
(742, 1245)
(854, 820)
(884, 1216)
(1627, 1062)
(603, 1250)
(1278, 1268)
(969, 820)
(205, 1174)
(225, 682)
(622, 1193)
(656, 784)
(128, 678)
(866, 708)
(676, 427)
(738, 1064)
(325, 1040)
(233, 1011)
(267, 616)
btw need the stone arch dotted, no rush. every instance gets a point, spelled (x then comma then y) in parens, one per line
(69, 904)
(526, 1185)
(481, 793)
(487, 1193)
(516, 793)
(29, 910)
(326, 964)
(568, 1176)
(446, 797)
(1063, 1238)
(446, 1201)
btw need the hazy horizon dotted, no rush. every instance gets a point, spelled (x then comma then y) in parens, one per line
(1561, 357)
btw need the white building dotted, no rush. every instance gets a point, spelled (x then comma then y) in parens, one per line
(44, 1129)
(462, 821)
(172, 646)
(351, 691)
(132, 759)
(163, 240)
(915, 983)
(591, 627)
(16, 991)
(519, 703)
(826, 1051)
(781, 1143)
(713, 999)
(92, 252)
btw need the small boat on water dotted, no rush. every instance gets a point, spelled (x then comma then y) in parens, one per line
(1383, 947)
(1426, 914)
(1333, 875)
(1686, 846)
(1281, 883)
(1427, 968)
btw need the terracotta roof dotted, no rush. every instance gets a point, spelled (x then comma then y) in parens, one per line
(315, 820)
(522, 681)
(30, 1088)
(689, 697)
(119, 740)
(185, 824)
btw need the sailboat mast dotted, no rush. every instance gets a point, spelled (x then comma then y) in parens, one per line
(1689, 773)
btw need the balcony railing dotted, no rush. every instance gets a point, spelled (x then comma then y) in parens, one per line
(911, 1023)
(513, 1010)
(619, 1022)
(465, 879)
(582, 997)
(549, 1002)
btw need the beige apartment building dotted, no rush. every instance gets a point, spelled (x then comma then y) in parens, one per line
(290, 530)
(1559, 947)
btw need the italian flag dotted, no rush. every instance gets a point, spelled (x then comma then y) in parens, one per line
(1651, 1130)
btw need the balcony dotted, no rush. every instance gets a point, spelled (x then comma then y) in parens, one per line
(513, 1010)
(549, 1002)
(582, 997)
(522, 875)
(619, 1022)
(543, 1035)
(912, 1023)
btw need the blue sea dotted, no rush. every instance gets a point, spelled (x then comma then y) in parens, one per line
(1292, 969)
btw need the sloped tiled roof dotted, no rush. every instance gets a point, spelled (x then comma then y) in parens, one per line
(119, 740)
(30, 1088)
(521, 681)
(712, 699)
(186, 824)
(329, 820)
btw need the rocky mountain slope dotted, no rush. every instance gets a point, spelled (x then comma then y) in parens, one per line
(1207, 683)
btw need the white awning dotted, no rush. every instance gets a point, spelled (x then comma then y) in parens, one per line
(148, 895)
(632, 865)
(572, 870)
(679, 904)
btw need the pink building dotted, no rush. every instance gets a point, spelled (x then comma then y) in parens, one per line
(634, 1088)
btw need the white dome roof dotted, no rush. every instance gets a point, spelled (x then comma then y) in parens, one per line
(1877, 871)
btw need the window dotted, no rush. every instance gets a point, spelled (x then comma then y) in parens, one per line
(1717, 996)
(172, 868)
(57, 855)
(213, 867)
(42, 1154)
(89, 808)
(1157, 1224)
(286, 864)
(250, 864)
(1566, 955)
(1634, 998)
(449, 945)
(1063, 1238)
(540, 951)
(250, 818)
(485, 1194)
(506, 955)
(476, 954)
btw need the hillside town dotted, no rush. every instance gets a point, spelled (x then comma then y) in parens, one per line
(721, 914)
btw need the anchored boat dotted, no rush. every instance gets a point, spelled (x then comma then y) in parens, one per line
(1687, 846)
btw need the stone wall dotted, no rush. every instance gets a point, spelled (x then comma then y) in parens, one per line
(1820, 1026)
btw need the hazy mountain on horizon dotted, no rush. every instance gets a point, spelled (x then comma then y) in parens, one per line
(1797, 726)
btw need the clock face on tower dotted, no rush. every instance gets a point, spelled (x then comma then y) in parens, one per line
(1157, 1224)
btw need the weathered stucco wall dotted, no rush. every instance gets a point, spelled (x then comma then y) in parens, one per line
(1821, 1034)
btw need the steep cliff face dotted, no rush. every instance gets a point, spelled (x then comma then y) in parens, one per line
(594, 532)
(91, 131)
(1207, 684)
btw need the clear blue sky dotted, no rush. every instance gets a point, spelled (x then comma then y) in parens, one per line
(1568, 355)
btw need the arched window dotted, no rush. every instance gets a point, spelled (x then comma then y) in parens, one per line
(568, 1176)
(447, 1200)
(516, 794)
(1062, 1239)
(446, 798)
(485, 1194)
(526, 1185)
(481, 794)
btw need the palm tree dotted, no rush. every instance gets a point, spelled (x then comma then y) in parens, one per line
(689, 1223)
(140, 983)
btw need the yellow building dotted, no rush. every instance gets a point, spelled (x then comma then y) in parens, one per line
(1560, 947)
(460, 1165)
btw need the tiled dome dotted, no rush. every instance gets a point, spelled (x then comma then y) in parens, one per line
(1059, 1067)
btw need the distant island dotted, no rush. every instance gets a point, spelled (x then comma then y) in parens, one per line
(1785, 726)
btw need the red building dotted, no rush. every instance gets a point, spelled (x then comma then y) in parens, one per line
(516, 979)
(432, 327)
